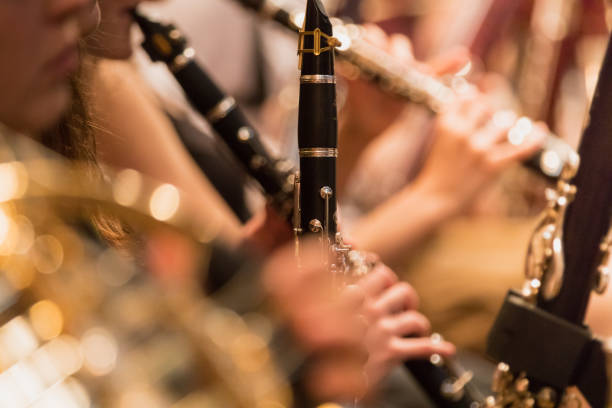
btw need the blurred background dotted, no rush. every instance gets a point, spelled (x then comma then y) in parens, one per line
(538, 57)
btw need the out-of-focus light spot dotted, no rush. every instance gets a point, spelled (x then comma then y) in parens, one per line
(5, 226)
(551, 163)
(164, 202)
(140, 397)
(45, 367)
(100, 351)
(519, 132)
(557, 245)
(126, 187)
(298, 18)
(9, 233)
(61, 395)
(47, 254)
(504, 118)
(26, 235)
(27, 380)
(13, 179)
(66, 354)
(342, 35)
(47, 319)
(464, 70)
(17, 341)
(10, 395)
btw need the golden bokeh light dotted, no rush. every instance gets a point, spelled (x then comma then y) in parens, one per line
(65, 353)
(47, 319)
(47, 254)
(17, 341)
(100, 351)
(26, 234)
(13, 179)
(127, 187)
(165, 202)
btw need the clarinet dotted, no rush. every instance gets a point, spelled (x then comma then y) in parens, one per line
(411, 84)
(447, 384)
(539, 335)
(165, 43)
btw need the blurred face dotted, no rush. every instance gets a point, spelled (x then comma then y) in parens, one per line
(38, 54)
(112, 39)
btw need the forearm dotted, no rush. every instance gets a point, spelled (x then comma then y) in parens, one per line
(402, 222)
(133, 132)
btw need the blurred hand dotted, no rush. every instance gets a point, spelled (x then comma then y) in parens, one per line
(396, 331)
(470, 150)
(368, 109)
(266, 231)
(323, 320)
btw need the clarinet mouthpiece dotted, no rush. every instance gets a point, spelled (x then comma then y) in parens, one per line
(316, 43)
(163, 42)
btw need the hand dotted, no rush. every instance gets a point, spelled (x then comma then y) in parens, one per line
(323, 321)
(266, 231)
(470, 150)
(396, 331)
(369, 110)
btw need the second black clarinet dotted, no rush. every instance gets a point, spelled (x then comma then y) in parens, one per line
(165, 43)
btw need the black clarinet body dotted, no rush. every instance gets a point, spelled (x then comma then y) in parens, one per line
(165, 43)
(317, 126)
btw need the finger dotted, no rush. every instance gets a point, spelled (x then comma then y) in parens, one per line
(421, 348)
(333, 376)
(353, 296)
(400, 47)
(409, 323)
(507, 153)
(376, 36)
(379, 279)
(449, 62)
(491, 134)
(477, 113)
(397, 298)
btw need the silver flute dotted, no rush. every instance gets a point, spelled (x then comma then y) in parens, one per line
(411, 84)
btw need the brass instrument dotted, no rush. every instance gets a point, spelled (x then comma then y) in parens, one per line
(84, 325)
(409, 83)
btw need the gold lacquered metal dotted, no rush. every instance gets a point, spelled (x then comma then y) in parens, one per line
(603, 270)
(332, 42)
(545, 264)
(74, 322)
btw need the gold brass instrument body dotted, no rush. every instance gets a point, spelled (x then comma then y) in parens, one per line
(544, 263)
(85, 324)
